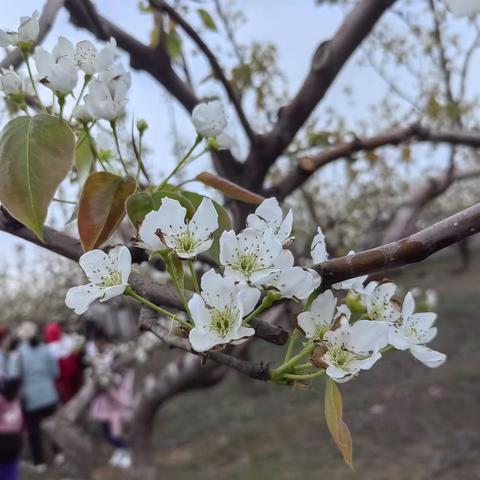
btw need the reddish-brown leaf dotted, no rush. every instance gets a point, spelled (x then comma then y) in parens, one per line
(229, 189)
(102, 207)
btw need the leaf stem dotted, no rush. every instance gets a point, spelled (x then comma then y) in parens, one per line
(131, 293)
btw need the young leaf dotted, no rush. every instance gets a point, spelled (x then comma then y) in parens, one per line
(207, 19)
(174, 44)
(224, 222)
(229, 189)
(337, 427)
(84, 158)
(36, 154)
(102, 207)
(141, 203)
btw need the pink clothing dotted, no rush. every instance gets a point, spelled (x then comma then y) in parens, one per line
(11, 419)
(115, 404)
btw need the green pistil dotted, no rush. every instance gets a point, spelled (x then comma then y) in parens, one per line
(186, 242)
(247, 263)
(221, 321)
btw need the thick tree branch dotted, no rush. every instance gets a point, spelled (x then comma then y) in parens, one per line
(307, 166)
(165, 295)
(212, 59)
(327, 62)
(14, 58)
(148, 321)
(412, 249)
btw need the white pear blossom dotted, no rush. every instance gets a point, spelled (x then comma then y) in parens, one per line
(225, 141)
(10, 82)
(269, 215)
(413, 330)
(219, 311)
(319, 319)
(90, 60)
(187, 239)
(351, 348)
(209, 118)
(355, 284)
(378, 302)
(108, 275)
(57, 69)
(27, 32)
(252, 256)
(107, 95)
(294, 282)
(463, 7)
(318, 249)
(81, 113)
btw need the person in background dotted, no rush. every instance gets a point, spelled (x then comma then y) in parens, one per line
(37, 370)
(11, 420)
(112, 407)
(66, 351)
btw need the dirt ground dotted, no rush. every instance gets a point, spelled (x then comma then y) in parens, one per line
(407, 422)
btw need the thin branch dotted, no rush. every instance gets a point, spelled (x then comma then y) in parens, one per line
(307, 166)
(14, 58)
(327, 62)
(212, 59)
(412, 249)
(149, 321)
(164, 295)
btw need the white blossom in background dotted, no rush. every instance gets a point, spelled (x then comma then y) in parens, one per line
(219, 311)
(378, 302)
(252, 256)
(269, 215)
(57, 70)
(413, 330)
(10, 82)
(463, 7)
(90, 60)
(318, 249)
(351, 348)
(107, 95)
(186, 238)
(108, 275)
(209, 119)
(27, 32)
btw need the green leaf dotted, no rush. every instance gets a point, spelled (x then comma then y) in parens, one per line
(174, 44)
(36, 154)
(337, 427)
(207, 19)
(228, 188)
(141, 203)
(84, 158)
(102, 207)
(224, 222)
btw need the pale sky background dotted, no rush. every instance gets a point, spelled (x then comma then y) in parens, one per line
(296, 27)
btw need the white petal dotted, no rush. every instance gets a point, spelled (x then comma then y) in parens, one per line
(397, 338)
(199, 311)
(247, 299)
(427, 356)
(124, 261)
(205, 220)
(8, 38)
(336, 373)
(270, 212)
(368, 336)
(307, 321)
(171, 220)
(96, 264)
(218, 291)
(383, 293)
(209, 118)
(201, 342)
(296, 282)
(114, 291)
(147, 231)
(80, 298)
(318, 249)
(228, 247)
(285, 229)
(284, 260)
(366, 363)
(243, 332)
(29, 28)
(324, 307)
(408, 306)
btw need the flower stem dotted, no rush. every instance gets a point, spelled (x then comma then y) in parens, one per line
(172, 271)
(113, 124)
(131, 293)
(279, 372)
(194, 276)
(30, 75)
(86, 79)
(291, 344)
(180, 164)
(267, 302)
(307, 376)
(93, 148)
